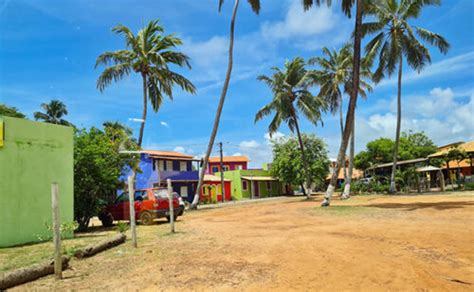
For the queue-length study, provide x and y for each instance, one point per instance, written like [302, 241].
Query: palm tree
[149, 53]
[54, 111]
[255, 4]
[346, 6]
[396, 39]
[291, 96]
[334, 77]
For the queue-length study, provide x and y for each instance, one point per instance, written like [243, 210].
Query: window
[238, 167]
[169, 165]
[184, 191]
[215, 169]
[163, 193]
[225, 168]
[141, 195]
[183, 166]
[161, 165]
[244, 185]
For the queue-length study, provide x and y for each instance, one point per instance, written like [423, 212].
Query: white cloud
[443, 114]
[249, 144]
[237, 154]
[206, 53]
[460, 63]
[298, 23]
[164, 124]
[179, 149]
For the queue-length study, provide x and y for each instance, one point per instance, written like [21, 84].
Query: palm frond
[434, 39]
[113, 73]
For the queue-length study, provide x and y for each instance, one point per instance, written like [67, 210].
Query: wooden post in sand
[170, 200]
[58, 269]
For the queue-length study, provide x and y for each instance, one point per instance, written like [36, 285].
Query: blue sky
[48, 50]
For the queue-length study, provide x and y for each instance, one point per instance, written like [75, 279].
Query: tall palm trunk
[450, 181]
[399, 122]
[219, 108]
[145, 104]
[305, 162]
[341, 121]
[347, 185]
[352, 105]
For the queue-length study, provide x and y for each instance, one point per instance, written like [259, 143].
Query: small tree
[458, 155]
[54, 111]
[97, 168]
[288, 165]
[10, 111]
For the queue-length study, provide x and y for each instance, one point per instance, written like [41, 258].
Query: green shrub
[122, 227]
[469, 186]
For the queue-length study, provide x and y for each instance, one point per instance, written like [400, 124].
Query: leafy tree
[377, 151]
[291, 97]
[415, 145]
[97, 168]
[395, 41]
[149, 54]
[346, 5]
[255, 5]
[54, 111]
[412, 145]
[288, 165]
[10, 111]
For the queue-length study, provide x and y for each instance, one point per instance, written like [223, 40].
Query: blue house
[157, 166]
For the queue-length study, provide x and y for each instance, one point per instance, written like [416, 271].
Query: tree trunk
[101, 246]
[347, 185]
[399, 124]
[145, 104]
[30, 273]
[352, 105]
[305, 162]
[341, 121]
[450, 181]
[219, 108]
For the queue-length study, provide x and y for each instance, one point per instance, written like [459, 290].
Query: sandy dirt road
[369, 243]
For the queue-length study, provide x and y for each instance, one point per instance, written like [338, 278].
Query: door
[183, 191]
[256, 189]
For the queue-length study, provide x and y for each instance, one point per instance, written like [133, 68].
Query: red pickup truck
[149, 204]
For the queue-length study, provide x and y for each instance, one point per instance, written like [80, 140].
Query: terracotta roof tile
[229, 159]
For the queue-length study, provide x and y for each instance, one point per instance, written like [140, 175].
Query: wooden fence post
[131, 199]
[58, 269]
[170, 200]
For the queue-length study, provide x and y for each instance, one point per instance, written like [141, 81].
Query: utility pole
[58, 265]
[131, 200]
[222, 173]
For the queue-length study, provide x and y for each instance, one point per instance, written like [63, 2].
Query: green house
[32, 156]
[253, 184]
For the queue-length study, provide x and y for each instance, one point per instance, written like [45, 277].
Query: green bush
[469, 186]
[122, 227]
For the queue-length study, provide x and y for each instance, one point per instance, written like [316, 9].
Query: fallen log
[27, 274]
[101, 246]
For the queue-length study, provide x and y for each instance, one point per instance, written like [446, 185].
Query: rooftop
[229, 159]
[167, 154]
[399, 163]
[468, 147]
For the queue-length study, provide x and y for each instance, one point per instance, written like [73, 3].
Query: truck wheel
[107, 219]
[146, 218]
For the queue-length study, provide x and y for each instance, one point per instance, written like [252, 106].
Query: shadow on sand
[420, 205]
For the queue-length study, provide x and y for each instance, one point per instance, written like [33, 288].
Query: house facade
[230, 163]
[253, 184]
[156, 166]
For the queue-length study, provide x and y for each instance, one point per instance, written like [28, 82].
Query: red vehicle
[149, 204]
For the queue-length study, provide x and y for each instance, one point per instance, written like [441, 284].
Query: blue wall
[149, 176]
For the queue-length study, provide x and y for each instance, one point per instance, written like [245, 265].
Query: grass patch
[21, 256]
[345, 210]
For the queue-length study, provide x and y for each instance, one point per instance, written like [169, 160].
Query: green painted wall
[33, 156]
[239, 193]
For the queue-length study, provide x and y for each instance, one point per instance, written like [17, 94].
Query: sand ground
[369, 243]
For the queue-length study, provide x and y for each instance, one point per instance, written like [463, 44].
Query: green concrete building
[253, 184]
[32, 156]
